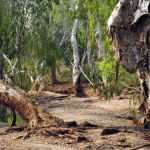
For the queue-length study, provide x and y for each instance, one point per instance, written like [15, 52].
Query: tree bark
[129, 29]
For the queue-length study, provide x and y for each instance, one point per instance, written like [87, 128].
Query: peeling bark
[129, 27]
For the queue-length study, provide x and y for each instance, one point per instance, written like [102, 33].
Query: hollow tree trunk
[76, 70]
[29, 109]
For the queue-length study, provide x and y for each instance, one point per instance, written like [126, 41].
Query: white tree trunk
[76, 70]
[78, 91]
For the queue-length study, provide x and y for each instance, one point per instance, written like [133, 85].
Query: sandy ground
[116, 114]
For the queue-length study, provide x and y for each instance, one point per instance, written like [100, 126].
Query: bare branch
[15, 64]
[86, 76]
[8, 60]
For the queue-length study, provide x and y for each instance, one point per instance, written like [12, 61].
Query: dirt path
[110, 116]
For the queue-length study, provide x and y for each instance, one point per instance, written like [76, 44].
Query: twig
[86, 76]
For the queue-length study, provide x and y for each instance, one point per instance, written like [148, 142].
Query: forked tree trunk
[29, 109]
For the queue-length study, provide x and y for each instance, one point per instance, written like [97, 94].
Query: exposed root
[65, 130]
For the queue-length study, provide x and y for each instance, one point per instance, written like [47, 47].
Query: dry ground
[115, 119]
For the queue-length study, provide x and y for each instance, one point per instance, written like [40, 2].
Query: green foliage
[107, 71]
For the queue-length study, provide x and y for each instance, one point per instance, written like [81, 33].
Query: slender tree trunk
[76, 70]
[53, 73]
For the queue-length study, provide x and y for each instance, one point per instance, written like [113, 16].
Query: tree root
[68, 130]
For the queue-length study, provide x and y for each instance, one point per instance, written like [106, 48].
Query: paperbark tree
[129, 27]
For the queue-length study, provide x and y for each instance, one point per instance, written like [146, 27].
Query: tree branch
[7, 59]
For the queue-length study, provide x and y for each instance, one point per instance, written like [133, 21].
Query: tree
[77, 69]
[131, 44]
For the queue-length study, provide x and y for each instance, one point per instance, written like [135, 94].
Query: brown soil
[108, 124]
